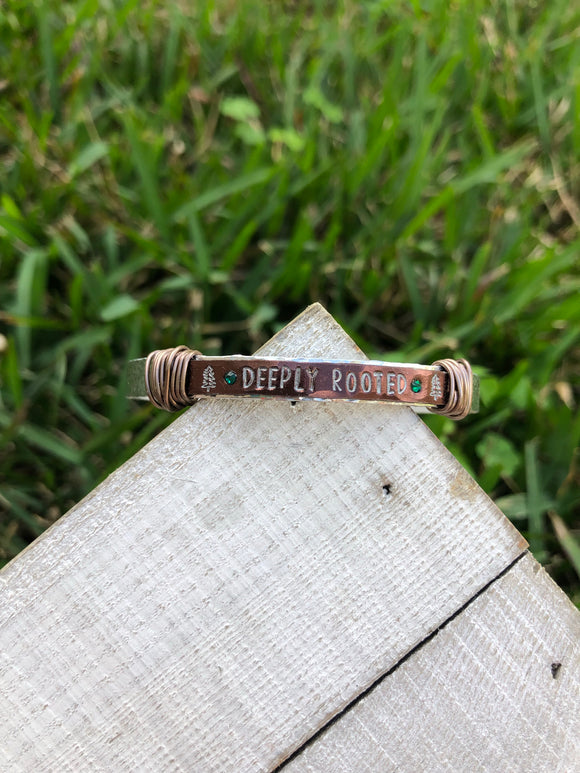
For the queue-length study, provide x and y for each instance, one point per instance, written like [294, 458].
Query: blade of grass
[540, 103]
[237, 185]
[534, 501]
[11, 374]
[485, 173]
[88, 156]
[569, 543]
[21, 513]
[170, 54]
[29, 298]
[410, 280]
[47, 49]
[202, 251]
[143, 159]
[50, 444]
[18, 230]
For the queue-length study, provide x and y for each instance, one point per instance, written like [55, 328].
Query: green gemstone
[230, 377]
[416, 385]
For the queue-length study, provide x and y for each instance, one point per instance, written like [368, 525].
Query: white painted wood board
[480, 695]
[238, 582]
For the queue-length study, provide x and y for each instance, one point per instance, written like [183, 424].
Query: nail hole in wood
[555, 667]
[387, 489]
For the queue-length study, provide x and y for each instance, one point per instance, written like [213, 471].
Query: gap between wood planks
[405, 657]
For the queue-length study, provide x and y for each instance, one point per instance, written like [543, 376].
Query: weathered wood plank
[238, 581]
[484, 694]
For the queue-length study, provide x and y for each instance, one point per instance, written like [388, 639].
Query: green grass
[199, 172]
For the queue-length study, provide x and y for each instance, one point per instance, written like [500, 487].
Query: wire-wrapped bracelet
[174, 378]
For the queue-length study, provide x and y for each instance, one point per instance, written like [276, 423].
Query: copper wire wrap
[458, 404]
[166, 377]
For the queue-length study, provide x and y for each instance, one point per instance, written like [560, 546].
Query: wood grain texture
[479, 696]
[237, 582]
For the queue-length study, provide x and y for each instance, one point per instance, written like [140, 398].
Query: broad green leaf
[497, 451]
[250, 134]
[313, 96]
[239, 108]
[288, 137]
[119, 307]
